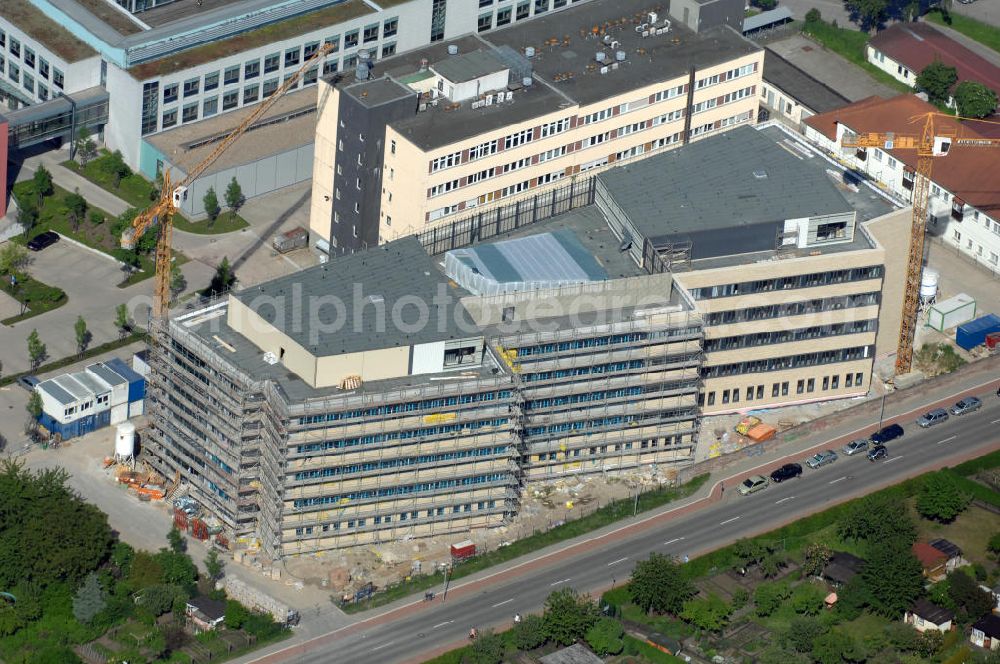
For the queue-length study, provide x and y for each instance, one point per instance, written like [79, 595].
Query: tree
[767, 597]
[214, 565]
[993, 546]
[802, 631]
[34, 409]
[122, 320]
[222, 280]
[940, 498]
[76, 208]
[211, 203]
[815, 558]
[568, 615]
[83, 335]
[660, 584]
[878, 518]
[867, 14]
[928, 643]
[710, 614]
[488, 648]
[831, 647]
[234, 196]
[529, 633]
[176, 540]
[605, 637]
[177, 281]
[894, 577]
[852, 598]
[36, 349]
[772, 564]
[27, 215]
[808, 599]
[89, 600]
[85, 146]
[42, 183]
[969, 599]
[813, 16]
[117, 168]
[178, 569]
[936, 80]
[157, 599]
[236, 614]
[13, 258]
[748, 552]
[975, 100]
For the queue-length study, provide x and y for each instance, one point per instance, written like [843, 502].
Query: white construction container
[119, 413]
[952, 312]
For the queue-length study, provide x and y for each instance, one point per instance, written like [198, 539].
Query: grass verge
[36, 297]
[984, 33]
[140, 193]
[87, 354]
[610, 513]
[850, 44]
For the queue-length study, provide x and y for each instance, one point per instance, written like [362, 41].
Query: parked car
[28, 382]
[885, 434]
[932, 417]
[966, 405]
[42, 240]
[855, 446]
[821, 459]
[878, 452]
[786, 472]
[752, 485]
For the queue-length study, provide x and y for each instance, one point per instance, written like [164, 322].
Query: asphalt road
[428, 628]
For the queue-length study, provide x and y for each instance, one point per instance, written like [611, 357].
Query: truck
[256, 600]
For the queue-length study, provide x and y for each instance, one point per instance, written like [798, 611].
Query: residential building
[925, 615]
[986, 632]
[205, 613]
[903, 50]
[931, 560]
[965, 183]
[416, 141]
[842, 567]
[415, 388]
[164, 64]
[953, 553]
[791, 95]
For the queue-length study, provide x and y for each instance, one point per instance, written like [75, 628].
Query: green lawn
[36, 296]
[53, 216]
[970, 531]
[850, 44]
[139, 192]
[983, 33]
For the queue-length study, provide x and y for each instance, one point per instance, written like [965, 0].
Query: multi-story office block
[420, 139]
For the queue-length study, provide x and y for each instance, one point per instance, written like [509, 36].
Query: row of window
[789, 336]
[413, 515]
[406, 407]
[619, 421]
[523, 11]
[792, 308]
[787, 283]
[29, 60]
[385, 492]
[425, 432]
[399, 462]
[667, 441]
[788, 362]
[802, 386]
[714, 79]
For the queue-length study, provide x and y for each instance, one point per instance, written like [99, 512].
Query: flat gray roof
[468, 66]
[56, 392]
[107, 375]
[764, 19]
[735, 179]
[379, 91]
[808, 91]
[387, 278]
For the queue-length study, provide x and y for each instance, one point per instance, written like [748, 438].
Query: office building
[421, 139]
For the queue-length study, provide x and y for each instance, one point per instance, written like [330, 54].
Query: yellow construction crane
[930, 143]
[171, 197]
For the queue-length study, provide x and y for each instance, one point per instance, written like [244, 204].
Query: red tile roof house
[933, 561]
[904, 49]
[964, 205]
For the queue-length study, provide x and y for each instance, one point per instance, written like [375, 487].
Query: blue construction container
[136, 383]
[972, 334]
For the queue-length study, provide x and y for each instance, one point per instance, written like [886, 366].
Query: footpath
[980, 378]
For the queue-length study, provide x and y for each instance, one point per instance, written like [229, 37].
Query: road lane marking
[946, 440]
[676, 539]
[558, 582]
[615, 562]
[895, 458]
[729, 521]
[994, 421]
[839, 479]
[448, 622]
[506, 601]
[384, 645]
[778, 502]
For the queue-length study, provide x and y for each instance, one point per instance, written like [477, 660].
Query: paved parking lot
[987, 11]
[829, 68]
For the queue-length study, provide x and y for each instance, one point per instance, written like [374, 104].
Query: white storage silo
[125, 442]
[929, 285]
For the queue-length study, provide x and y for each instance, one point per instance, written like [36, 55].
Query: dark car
[884, 435]
[786, 472]
[878, 452]
[28, 382]
[42, 240]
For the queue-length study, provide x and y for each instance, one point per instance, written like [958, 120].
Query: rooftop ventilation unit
[526, 81]
[601, 56]
[529, 51]
[760, 174]
[452, 49]
[620, 56]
